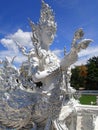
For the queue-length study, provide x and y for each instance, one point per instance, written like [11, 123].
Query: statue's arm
[69, 59]
[72, 57]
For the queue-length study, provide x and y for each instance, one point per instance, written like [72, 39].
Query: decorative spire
[47, 16]
[32, 24]
[46, 25]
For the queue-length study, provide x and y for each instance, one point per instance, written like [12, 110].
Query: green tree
[78, 77]
[83, 71]
[86, 76]
[92, 76]
[75, 78]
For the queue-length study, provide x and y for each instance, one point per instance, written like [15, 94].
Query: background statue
[49, 103]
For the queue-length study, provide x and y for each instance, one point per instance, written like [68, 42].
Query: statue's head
[45, 30]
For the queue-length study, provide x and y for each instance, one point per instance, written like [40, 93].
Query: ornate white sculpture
[42, 98]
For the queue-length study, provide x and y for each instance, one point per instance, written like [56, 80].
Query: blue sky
[69, 14]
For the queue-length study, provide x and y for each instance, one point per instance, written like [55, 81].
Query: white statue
[50, 101]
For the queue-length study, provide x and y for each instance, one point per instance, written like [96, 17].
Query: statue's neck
[45, 47]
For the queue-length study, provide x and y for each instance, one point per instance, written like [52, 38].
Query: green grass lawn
[87, 99]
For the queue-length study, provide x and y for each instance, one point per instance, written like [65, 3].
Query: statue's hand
[78, 34]
[73, 55]
[83, 44]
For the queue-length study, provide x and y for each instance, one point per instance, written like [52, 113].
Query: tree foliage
[86, 76]
[92, 77]
[75, 78]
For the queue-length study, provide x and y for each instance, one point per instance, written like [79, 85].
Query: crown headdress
[47, 16]
[46, 20]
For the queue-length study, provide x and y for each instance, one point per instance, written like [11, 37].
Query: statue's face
[47, 35]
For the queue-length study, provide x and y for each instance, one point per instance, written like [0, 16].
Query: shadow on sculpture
[38, 95]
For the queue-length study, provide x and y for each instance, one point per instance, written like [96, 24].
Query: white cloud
[85, 55]
[90, 51]
[24, 38]
[58, 52]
